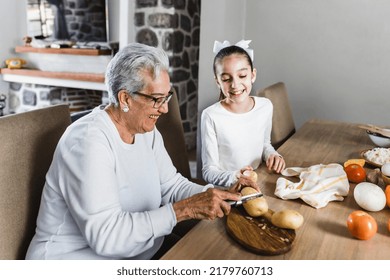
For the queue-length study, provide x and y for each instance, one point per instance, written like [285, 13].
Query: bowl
[378, 140]
[386, 179]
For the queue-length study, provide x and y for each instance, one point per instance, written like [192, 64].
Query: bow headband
[244, 44]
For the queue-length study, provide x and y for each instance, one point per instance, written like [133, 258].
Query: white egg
[386, 169]
[369, 196]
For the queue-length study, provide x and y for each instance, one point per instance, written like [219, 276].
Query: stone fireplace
[24, 97]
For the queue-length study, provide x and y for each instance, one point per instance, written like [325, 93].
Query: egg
[386, 169]
[369, 196]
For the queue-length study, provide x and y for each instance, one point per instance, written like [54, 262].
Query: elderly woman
[112, 191]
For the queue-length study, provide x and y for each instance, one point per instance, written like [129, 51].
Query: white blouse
[105, 199]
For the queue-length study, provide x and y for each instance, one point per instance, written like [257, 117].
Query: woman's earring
[125, 108]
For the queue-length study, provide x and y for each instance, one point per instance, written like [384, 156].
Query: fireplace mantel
[54, 67]
[69, 51]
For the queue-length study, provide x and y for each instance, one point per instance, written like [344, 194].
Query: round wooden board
[258, 234]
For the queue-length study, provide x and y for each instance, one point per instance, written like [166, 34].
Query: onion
[369, 196]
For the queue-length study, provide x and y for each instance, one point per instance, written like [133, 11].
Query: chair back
[171, 128]
[199, 162]
[282, 120]
[27, 144]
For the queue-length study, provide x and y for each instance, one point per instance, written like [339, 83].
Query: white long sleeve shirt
[231, 141]
[105, 199]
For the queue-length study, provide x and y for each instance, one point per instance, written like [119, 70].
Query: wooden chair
[27, 144]
[283, 126]
[171, 128]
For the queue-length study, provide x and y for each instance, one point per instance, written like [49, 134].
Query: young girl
[236, 131]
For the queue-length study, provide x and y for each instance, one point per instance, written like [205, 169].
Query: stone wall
[174, 25]
[86, 20]
[77, 20]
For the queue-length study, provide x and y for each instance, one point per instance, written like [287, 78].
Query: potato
[268, 214]
[251, 174]
[289, 219]
[254, 207]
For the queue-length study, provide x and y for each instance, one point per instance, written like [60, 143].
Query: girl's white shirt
[231, 141]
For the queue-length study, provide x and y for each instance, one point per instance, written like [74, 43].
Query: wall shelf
[92, 81]
[69, 51]
[58, 77]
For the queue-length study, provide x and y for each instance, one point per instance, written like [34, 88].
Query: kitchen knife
[244, 199]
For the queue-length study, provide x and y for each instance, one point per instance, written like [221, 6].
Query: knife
[244, 199]
[375, 129]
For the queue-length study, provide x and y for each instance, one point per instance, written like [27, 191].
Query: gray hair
[124, 71]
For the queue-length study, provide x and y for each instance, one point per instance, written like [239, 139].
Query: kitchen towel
[319, 184]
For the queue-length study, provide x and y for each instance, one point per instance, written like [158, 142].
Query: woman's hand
[212, 203]
[205, 205]
[275, 163]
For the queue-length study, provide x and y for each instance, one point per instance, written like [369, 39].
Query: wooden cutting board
[258, 235]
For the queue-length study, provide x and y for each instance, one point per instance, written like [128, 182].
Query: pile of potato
[289, 219]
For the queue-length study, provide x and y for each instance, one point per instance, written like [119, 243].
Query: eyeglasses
[158, 101]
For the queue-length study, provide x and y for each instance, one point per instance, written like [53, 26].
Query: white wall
[220, 20]
[334, 56]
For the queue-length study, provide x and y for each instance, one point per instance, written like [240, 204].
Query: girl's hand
[243, 181]
[275, 163]
[242, 170]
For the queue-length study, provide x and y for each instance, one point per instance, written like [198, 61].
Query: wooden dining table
[324, 234]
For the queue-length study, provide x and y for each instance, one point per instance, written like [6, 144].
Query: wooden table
[324, 234]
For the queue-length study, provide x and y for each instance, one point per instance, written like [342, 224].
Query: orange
[387, 193]
[361, 225]
[355, 173]
[359, 161]
[388, 224]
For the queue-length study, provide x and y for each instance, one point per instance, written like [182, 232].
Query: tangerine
[388, 224]
[361, 225]
[387, 193]
[355, 173]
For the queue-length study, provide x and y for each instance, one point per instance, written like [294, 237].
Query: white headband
[242, 44]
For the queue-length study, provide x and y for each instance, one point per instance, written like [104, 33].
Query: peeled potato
[254, 207]
[251, 174]
[289, 219]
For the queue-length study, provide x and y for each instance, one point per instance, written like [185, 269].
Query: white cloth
[231, 141]
[105, 199]
[318, 185]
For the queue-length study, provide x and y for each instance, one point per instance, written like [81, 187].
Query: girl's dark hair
[226, 52]
[229, 51]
